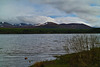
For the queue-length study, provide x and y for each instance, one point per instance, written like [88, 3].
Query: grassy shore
[87, 53]
[90, 58]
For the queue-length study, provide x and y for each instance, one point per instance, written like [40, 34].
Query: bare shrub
[81, 42]
[88, 50]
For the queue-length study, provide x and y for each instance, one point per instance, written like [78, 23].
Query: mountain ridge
[46, 25]
[68, 26]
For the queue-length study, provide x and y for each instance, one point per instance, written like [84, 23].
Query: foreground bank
[90, 58]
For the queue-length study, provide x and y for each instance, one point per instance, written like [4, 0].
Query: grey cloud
[81, 8]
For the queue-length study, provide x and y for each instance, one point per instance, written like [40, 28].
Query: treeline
[46, 30]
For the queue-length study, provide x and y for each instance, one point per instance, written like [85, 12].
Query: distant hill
[19, 25]
[5, 24]
[75, 26]
[68, 26]
[45, 25]
[46, 28]
[48, 25]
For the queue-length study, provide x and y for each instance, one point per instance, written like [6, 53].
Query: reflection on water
[36, 47]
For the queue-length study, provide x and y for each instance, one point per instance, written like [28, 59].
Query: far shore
[48, 31]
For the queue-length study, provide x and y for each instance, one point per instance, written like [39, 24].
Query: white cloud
[36, 19]
[9, 11]
[71, 20]
[44, 19]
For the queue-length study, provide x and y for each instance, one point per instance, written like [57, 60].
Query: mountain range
[45, 25]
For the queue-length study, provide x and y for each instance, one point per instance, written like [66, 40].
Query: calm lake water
[37, 47]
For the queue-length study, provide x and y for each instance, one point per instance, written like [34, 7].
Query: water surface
[15, 47]
[37, 47]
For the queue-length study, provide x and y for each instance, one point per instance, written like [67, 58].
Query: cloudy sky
[58, 11]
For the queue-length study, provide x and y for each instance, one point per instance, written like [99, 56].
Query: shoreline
[48, 31]
[80, 59]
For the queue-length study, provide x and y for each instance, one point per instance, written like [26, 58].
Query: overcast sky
[58, 11]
